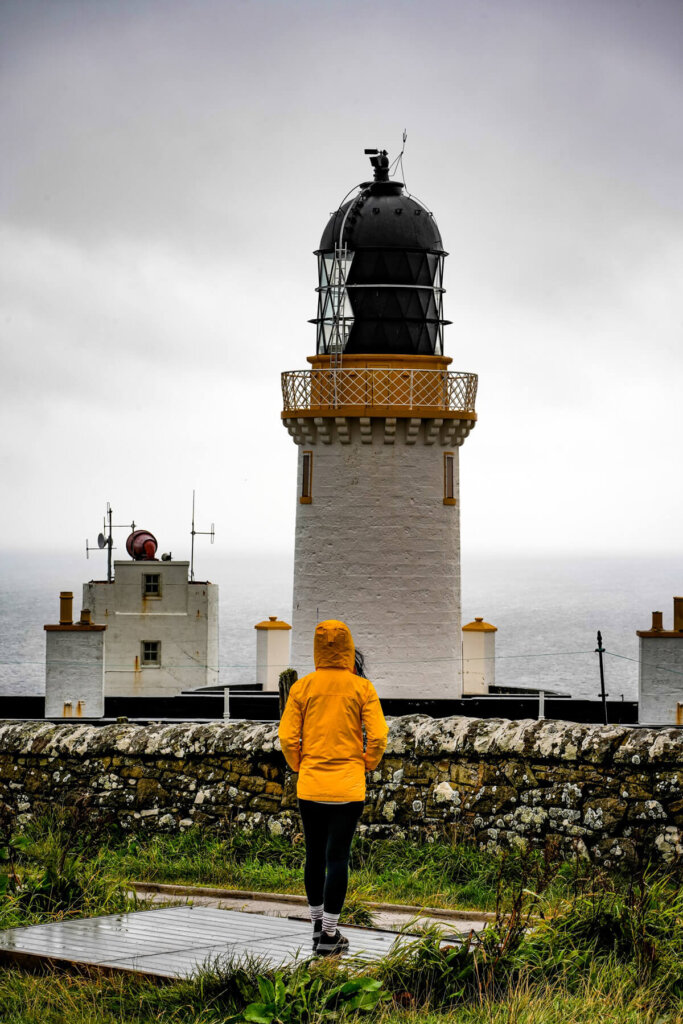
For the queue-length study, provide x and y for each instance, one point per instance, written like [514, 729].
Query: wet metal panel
[176, 942]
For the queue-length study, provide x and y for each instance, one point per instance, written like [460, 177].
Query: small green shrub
[49, 873]
[302, 998]
[356, 912]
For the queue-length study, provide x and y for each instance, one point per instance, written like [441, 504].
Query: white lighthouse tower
[378, 419]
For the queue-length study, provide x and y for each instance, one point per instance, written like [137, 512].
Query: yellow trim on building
[671, 634]
[405, 412]
[406, 362]
[75, 627]
[272, 623]
[479, 626]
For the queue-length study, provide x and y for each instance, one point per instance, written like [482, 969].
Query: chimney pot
[678, 614]
[657, 621]
[66, 602]
[86, 617]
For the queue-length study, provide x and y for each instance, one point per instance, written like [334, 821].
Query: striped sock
[316, 914]
[330, 923]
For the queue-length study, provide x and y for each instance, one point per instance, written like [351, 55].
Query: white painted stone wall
[660, 679]
[184, 619]
[378, 549]
[74, 673]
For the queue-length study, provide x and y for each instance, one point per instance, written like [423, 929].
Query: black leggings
[328, 829]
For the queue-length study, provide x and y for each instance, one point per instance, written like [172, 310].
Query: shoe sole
[332, 950]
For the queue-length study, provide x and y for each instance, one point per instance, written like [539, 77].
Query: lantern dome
[380, 266]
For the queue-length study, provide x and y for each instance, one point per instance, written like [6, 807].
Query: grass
[606, 996]
[604, 947]
[447, 874]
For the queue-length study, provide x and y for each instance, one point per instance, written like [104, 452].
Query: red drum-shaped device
[141, 545]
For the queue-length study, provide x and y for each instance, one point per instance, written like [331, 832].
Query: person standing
[321, 735]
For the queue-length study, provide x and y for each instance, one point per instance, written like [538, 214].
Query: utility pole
[600, 650]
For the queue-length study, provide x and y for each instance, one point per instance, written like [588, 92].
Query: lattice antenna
[106, 538]
[194, 533]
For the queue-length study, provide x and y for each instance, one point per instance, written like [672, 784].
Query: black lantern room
[380, 266]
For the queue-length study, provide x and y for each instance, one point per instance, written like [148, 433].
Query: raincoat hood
[333, 645]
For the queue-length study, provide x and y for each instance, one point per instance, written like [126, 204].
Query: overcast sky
[168, 168]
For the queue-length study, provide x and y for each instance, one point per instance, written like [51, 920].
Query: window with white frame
[151, 584]
[151, 652]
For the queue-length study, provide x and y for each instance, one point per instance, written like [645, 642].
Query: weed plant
[51, 871]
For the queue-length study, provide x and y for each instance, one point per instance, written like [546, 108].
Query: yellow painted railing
[378, 387]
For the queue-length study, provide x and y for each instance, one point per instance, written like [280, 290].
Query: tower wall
[378, 548]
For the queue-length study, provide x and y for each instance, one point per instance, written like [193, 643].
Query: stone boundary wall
[601, 790]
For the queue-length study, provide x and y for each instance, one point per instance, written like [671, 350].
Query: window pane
[151, 584]
[306, 474]
[151, 652]
[449, 490]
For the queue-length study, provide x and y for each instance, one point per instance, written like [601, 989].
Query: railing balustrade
[378, 387]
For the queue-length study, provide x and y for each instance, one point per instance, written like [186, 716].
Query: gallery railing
[378, 387]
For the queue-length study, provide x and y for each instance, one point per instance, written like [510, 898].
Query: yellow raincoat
[321, 728]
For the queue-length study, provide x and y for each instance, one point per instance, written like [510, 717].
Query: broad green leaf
[364, 1001]
[259, 1013]
[266, 990]
[351, 987]
[369, 984]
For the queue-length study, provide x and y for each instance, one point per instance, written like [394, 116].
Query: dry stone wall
[601, 790]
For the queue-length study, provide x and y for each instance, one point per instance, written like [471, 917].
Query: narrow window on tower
[449, 478]
[306, 478]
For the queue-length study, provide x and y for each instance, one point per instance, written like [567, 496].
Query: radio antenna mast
[106, 538]
[194, 533]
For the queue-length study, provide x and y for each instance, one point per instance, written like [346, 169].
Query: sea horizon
[547, 609]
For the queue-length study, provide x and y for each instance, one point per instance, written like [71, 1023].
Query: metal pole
[192, 531]
[110, 544]
[599, 650]
[541, 705]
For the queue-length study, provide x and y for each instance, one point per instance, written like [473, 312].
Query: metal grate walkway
[175, 942]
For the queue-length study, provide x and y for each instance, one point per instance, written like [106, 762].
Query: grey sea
[547, 610]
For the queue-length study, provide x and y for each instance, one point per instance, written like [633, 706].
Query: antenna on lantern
[193, 533]
[106, 538]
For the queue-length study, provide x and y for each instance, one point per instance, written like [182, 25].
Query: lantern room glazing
[380, 274]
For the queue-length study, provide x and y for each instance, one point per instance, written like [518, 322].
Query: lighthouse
[378, 419]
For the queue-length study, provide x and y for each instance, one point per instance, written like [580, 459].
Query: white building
[74, 664]
[660, 670]
[162, 628]
[378, 420]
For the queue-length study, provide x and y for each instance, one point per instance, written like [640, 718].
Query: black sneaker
[332, 945]
[317, 932]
